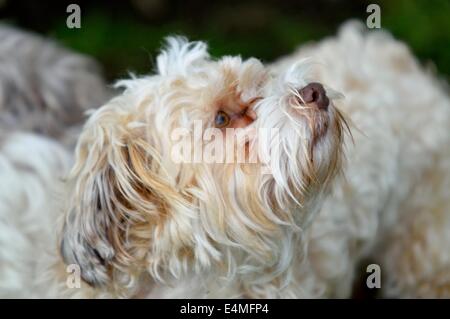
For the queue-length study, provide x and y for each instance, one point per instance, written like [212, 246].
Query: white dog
[44, 90]
[139, 224]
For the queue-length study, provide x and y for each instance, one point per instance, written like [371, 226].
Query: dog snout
[314, 94]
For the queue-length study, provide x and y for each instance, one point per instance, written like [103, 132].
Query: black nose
[315, 94]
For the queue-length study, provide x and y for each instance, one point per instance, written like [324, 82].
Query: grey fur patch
[45, 88]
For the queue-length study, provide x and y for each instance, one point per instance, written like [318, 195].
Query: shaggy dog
[294, 222]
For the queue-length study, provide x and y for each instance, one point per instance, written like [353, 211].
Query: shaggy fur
[45, 88]
[141, 225]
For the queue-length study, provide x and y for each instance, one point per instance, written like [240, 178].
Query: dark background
[125, 35]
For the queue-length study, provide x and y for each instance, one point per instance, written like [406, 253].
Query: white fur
[31, 171]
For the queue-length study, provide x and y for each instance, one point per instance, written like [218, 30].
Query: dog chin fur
[140, 225]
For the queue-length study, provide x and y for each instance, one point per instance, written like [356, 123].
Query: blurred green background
[125, 35]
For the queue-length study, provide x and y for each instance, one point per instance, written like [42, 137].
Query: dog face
[137, 208]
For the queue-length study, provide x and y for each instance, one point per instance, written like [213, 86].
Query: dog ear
[115, 196]
[180, 57]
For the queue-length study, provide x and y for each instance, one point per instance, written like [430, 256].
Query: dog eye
[222, 119]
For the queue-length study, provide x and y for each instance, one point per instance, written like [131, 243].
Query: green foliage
[424, 25]
[123, 42]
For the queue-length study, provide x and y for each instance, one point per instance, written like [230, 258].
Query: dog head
[144, 200]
